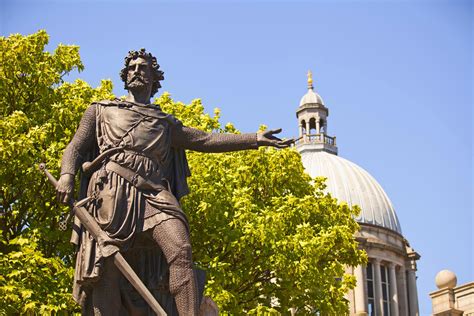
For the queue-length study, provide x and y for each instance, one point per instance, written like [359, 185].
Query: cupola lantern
[312, 119]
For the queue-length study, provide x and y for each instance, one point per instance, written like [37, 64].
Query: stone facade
[387, 284]
[452, 300]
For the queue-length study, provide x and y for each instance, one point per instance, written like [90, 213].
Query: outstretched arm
[194, 139]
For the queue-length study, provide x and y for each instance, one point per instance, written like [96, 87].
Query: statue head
[152, 74]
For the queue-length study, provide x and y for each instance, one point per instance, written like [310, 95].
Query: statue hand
[266, 138]
[65, 188]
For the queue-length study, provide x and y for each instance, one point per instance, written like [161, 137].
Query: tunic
[152, 145]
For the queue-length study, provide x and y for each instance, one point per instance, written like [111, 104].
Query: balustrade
[316, 138]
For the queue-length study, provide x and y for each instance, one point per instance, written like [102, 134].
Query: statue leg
[106, 292]
[173, 238]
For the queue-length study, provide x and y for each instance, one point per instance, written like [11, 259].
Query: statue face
[139, 74]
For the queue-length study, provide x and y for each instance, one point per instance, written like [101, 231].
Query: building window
[370, 289]
[385, 281]
[385, 290]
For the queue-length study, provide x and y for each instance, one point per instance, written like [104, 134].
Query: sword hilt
[62, 223]
[91, 166]
[51, 178]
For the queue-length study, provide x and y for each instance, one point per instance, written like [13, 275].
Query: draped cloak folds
[152, 145]
[121, 209]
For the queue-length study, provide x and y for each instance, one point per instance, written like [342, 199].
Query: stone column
[301, 129]
[307, 127]
[413, 256]
[378, 287]
[413, 293]
[393, 291]
[402, 291]
[317, 125]
[360, 293]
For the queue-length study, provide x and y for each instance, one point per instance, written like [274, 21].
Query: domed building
[387, 285]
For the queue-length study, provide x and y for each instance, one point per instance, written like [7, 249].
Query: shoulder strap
[115, 102]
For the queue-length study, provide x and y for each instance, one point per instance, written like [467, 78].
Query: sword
[94, 229]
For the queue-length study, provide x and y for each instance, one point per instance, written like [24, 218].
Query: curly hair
[155, 68]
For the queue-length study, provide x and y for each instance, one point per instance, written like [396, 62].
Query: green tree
[266, 234]
[264, 231]
[39, 114]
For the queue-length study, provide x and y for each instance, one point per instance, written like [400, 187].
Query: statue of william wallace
[136, 179]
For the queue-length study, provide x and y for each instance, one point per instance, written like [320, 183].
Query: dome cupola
[346, 181]
[386, 285]
[349, 183]
[312, 118]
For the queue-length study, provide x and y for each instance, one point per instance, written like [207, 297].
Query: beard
[137, 83]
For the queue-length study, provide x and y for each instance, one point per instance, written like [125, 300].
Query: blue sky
[396, 76]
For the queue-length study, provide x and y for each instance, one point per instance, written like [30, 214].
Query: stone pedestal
[208, 307]
[443, 302]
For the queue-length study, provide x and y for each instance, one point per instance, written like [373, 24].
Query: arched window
[322, 126]
[312, 126]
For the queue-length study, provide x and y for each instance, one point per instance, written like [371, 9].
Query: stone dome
[311, 97]
[348, 182]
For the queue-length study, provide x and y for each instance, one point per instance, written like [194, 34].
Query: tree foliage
[266, 234]
[40, 113]
[31, 283]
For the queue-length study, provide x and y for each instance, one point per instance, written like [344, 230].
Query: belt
[133, 177]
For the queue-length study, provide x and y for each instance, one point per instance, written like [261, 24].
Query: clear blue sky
[396, 76]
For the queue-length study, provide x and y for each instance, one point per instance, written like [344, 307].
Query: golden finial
[310, 79]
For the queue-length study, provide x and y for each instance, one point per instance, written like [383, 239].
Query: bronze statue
[136, 178]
